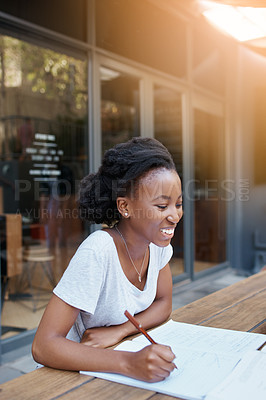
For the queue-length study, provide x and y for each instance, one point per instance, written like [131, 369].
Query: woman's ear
[123, 206]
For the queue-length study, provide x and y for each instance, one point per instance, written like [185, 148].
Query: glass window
[168, 130]
[119, 107]
[210, 191]
[209, 58]
[142, 32]
[64, 16]
[43, 156]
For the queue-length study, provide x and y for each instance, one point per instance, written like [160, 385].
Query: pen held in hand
[139, 328]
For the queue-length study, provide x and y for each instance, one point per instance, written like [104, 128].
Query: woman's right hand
[151, 364]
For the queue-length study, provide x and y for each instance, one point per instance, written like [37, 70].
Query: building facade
[79, 77]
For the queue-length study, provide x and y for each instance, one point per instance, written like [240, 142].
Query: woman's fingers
[165, 365]
[153, 363]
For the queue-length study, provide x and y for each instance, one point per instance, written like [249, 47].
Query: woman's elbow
[34, 351]
[167, 309]
[38, 352]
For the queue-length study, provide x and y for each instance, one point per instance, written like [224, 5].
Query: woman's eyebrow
[163, 197]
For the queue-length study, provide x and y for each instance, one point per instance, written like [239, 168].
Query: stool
[32, 258]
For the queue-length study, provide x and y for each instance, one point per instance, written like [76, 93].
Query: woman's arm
[157, 313]
[51, 348]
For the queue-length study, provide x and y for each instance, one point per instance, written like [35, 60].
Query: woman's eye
[161, 207]
[178, 205]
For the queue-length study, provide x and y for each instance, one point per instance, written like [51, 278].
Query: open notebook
[204, 357]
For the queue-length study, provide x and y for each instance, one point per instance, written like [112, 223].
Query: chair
[34, 257]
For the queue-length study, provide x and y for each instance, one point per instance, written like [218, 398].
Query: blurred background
[77, 77]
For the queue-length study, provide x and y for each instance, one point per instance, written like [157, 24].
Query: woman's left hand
[102, 336]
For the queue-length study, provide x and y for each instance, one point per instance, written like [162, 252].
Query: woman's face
[156, 207]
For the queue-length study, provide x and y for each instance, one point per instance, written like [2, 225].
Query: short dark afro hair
[121, 169]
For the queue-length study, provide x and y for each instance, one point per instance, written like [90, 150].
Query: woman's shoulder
[97, 240]
[161, 255]
[98, 248]
[160, 250]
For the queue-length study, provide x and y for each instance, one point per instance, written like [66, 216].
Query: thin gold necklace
[125, 243]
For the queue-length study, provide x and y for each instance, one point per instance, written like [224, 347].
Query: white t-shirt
[94, 282]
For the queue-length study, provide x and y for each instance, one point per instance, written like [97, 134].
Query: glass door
[168, 130]
[43, 156]
[209, 191]
[119, 107]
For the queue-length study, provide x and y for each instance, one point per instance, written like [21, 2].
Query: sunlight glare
[243, 23]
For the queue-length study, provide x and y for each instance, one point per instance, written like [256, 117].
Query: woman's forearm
[156, 314]
[152, 364]
[61, 353]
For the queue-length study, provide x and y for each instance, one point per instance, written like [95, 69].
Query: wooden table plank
[260, 328]
[241, 316]
[42, 384]
[101, 389]
[217, 302]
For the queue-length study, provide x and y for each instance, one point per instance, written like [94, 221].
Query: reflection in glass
[119, 107]
[209, 55]
[43, 155]
[168, 130]
[142, 32]
[210, 191]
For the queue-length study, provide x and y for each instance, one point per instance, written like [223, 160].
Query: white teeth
[168, 231]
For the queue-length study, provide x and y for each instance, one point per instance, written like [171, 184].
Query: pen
[139, 328]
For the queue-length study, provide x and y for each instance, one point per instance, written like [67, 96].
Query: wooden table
[241, 306]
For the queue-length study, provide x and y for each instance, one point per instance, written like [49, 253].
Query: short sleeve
[161, 255]
[81, 283]
[166, 255]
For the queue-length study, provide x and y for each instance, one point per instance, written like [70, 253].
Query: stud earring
[126, 214]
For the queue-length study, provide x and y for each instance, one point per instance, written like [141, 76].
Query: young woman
[124, 266]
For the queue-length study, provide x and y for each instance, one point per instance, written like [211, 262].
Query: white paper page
[264, 349]
[246, 382]
[204, 357]
[204, 338]
[198, 372]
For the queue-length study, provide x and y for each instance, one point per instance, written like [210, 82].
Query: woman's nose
[175, 215]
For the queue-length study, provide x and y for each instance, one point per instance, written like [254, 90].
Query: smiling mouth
[168, 231]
